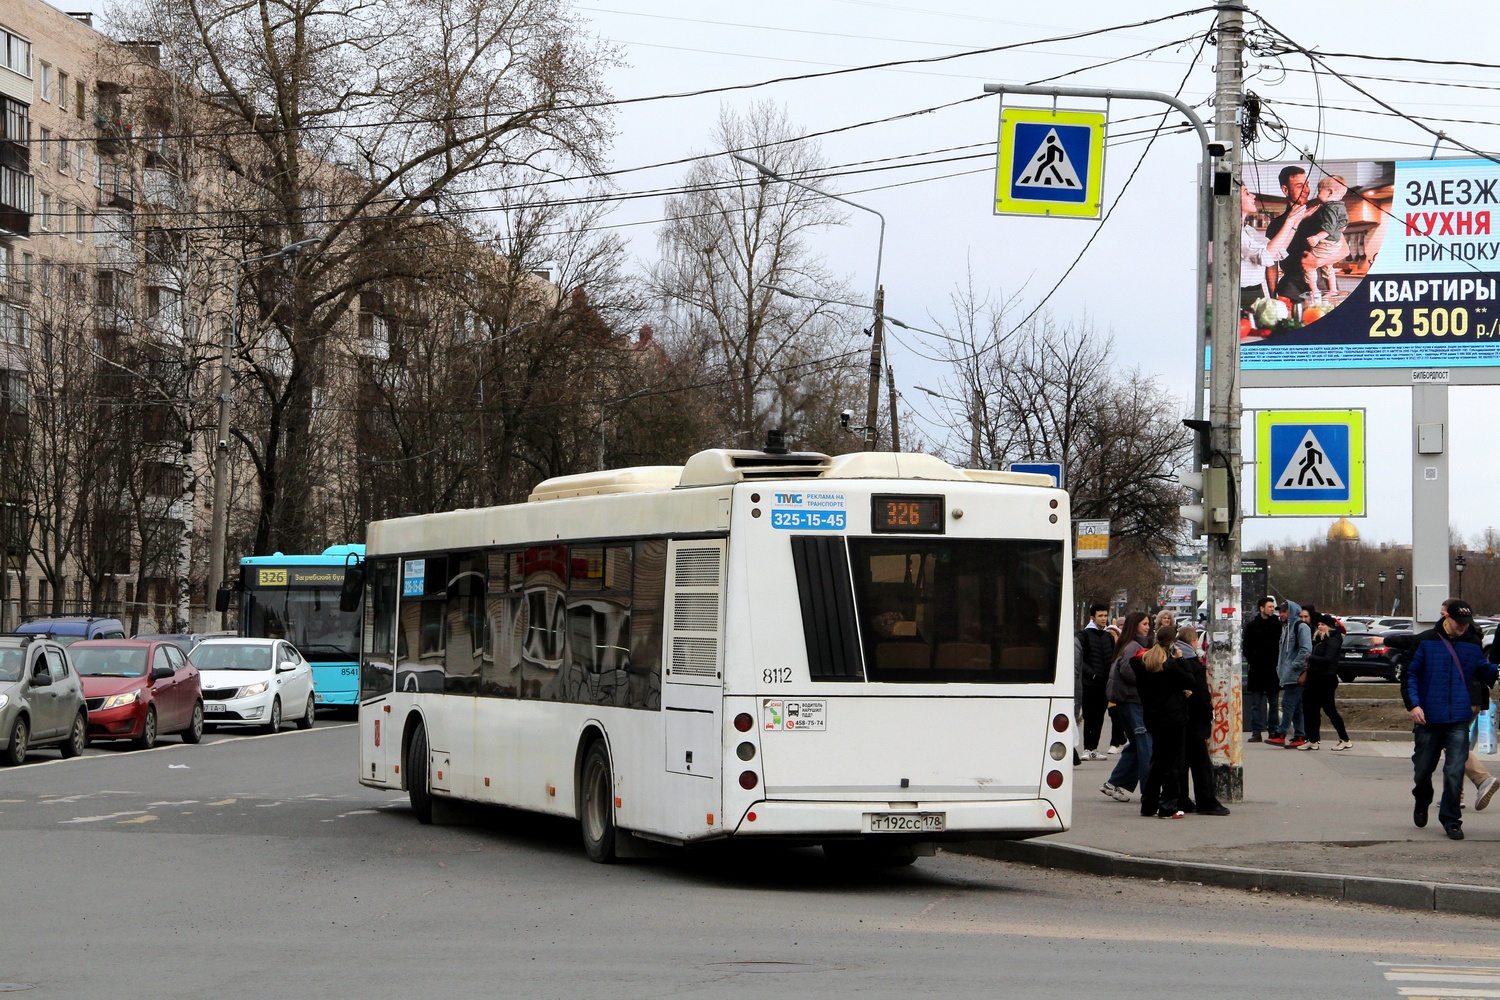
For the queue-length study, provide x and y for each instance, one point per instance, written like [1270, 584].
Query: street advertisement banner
[1370, 264]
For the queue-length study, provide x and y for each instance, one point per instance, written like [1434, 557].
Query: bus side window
[376, 665]
[465, 625]
[647, 613]
[505, 613]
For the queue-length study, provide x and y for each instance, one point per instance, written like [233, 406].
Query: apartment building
[77, 287]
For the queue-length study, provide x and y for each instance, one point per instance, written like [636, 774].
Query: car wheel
[306, 722]
[273, 725]
[147, 739]
[194, 732]
[596, 805]
[15, 747]
[78, 738]
[416, 776]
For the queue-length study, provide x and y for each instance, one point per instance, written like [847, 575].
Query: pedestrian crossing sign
[1051, 163]
[1310, 463]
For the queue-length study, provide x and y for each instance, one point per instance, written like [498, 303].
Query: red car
[139, 690]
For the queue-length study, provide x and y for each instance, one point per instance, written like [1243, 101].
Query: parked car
[255, 682]
[41, 699]
[1366, 654]
[139, 690]
[66, 631]
[1392, 624]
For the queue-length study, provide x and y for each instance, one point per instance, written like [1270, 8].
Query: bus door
[693, 687]
[379, 725]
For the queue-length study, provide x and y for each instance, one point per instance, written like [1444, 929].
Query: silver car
[41, 699]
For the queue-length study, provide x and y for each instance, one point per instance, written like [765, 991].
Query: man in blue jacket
[1437, 688]
[1291, 660]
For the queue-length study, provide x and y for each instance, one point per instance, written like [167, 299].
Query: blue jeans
[1263, 711]
[1135, 760]
[1291, 712]
[1452, 740]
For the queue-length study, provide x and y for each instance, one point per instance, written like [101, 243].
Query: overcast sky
[1136, 282]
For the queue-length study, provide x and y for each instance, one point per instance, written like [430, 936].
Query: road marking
[223, 802]
[101, 819]
[267, 805]
[1444, 981]
[127, 755]
[184, 802]
[140, 819]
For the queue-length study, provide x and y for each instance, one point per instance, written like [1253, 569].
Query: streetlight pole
[1348, 594]
[1360, 583]
[220, 520]
[877, 329]
[1381, 580]
[1400, 586]
[1460, 564]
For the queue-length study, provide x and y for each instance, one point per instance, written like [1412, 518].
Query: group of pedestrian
[1292, 653]
[1154, 684]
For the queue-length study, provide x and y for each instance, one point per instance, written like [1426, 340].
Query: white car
[254, 682]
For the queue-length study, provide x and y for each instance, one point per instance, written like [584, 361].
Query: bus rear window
[982, 611]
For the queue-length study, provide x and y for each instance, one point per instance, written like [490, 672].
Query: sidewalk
[1343, 814]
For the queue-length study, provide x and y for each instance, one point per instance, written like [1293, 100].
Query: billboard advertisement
[1370, 264]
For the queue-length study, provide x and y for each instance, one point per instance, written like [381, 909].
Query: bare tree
[367, 130]
[779, 362]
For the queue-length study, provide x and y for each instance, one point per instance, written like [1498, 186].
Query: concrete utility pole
[872, 404]
[1224, 619]
[890, 384]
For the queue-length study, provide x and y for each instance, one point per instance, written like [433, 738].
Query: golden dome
[1343, 530]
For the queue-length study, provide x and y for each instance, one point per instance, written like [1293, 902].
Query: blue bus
[297, 598]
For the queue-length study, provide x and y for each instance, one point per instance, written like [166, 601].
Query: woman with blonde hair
[1164, 685]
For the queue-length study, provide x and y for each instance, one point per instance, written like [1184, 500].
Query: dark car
[1367, 654]
[139, 690]
[66, 631]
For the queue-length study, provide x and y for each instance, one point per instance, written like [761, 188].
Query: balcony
[114, 134]
[160, 189]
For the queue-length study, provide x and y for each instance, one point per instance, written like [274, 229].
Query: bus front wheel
[596, 805]
[416, 776]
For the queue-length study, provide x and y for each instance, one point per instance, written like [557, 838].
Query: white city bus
[863, 651]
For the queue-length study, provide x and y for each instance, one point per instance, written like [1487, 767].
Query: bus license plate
[213, 706]
[907, 822]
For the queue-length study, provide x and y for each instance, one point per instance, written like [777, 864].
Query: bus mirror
[221, 599]
[354, 588]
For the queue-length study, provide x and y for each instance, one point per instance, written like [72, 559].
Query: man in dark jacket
[1093, 652]
[1437, 686]
[1261, 643]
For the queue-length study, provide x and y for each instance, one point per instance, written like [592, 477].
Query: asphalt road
[256, 867]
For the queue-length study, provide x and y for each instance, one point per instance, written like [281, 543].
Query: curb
[1405, 894]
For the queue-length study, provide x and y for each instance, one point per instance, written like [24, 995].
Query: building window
[78, 224]
[62, 217]
[98, 172]
[46, 212]
[47, 82]
[162, 479]
[17, 123]
[82, 156]
[62, 90]
[62, 155]
[79, 93]
[15, 53]
[45, 140]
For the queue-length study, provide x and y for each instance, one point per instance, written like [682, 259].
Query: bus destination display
[906, 514]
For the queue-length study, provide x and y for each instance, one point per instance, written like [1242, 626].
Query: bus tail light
[745, 751]
[1054, 779]
[1059, 722]
[1057, 751]
[743, 722]
[748, 780]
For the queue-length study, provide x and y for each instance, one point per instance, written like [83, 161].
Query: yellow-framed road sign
[1310, 463]
[1050, 163]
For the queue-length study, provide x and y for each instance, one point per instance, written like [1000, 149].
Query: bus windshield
[308, 617]
[968, 610]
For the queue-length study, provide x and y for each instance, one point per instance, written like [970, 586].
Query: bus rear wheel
[416, 776]
[596, 805]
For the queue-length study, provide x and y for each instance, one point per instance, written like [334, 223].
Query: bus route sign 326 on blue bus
[809, 511]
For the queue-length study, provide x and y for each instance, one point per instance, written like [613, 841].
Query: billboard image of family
[1369, 264]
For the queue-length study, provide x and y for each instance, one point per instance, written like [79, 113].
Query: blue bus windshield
[308, 617]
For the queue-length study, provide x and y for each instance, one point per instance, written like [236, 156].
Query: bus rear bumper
[1013, 819]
